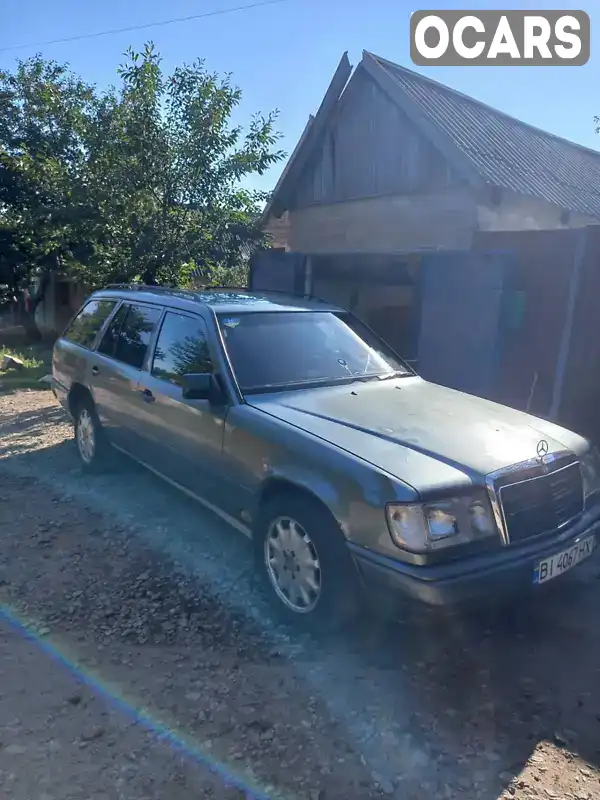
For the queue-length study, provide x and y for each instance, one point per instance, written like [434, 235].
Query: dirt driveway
[137, 660]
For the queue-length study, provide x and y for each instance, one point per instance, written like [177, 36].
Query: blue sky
[283, 56]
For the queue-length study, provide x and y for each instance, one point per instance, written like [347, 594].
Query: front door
[183, 439]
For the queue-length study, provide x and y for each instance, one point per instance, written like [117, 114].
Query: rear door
[117, 365]
[72, 352]
[183, 439]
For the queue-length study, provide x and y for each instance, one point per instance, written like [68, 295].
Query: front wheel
[304, 564]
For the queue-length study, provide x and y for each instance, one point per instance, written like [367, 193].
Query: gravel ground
[175, 683]
[60, 741]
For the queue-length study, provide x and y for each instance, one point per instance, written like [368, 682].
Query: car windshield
[290, 349]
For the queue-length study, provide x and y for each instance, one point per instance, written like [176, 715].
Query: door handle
[95, 370]
[147, 395]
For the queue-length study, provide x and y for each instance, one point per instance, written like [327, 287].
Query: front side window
[289, 349]
[181, 348]
[135, 334]
[87, 323]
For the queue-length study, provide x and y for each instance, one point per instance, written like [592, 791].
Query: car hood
[426, 435]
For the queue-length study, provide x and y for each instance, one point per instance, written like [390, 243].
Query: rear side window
[108, 343]
[135, 334]
[181, 348]
[88, 322]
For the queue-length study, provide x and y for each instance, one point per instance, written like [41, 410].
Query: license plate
[562, 562]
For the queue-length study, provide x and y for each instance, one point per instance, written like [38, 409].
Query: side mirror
[201, 386]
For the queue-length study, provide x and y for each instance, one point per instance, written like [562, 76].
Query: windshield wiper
[328, 381]
[398, 373]
[365, 378]
[378, 377]
[304, 383]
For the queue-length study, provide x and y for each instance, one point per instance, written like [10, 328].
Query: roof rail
[153, 288]
[157, 287]
[140, 287]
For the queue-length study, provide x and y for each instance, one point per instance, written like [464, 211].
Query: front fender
[299, 477]
[354, 492]
[262, 452]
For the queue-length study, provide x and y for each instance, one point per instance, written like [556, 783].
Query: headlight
[590, 472]
[421, 527]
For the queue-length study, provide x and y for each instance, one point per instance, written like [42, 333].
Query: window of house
[87, 323]
[181, 348]
[135, 334]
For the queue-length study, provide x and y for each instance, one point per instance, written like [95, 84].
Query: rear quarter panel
[69, 366]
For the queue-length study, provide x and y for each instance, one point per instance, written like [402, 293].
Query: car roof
[228, 300]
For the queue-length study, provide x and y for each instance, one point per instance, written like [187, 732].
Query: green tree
[144, 181]
[167, 167]
[45, 113]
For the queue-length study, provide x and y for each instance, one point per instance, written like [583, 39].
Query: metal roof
[503, 150]
[483, 144]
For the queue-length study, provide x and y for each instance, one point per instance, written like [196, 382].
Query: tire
[90, 439]
[294, 532]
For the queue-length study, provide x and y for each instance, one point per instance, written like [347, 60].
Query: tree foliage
[143, 181]
[44, 117]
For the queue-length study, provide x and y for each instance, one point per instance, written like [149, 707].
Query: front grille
[542, 504]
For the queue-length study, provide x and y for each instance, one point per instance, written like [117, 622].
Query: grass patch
[37, 361]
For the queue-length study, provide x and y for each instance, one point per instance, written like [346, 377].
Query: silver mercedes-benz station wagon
[297, 424]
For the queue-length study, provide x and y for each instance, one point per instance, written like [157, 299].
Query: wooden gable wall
[370, 148]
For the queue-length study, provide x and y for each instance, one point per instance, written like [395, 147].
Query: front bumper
[494, 576]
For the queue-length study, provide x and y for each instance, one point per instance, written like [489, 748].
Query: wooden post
[308, 277]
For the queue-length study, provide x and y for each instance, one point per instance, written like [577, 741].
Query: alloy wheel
[293, 565]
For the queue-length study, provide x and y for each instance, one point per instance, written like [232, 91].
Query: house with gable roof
[451, 228]
[394, 162]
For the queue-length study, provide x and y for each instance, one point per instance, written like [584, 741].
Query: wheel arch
[339, 601]
[277, 485]
[77, 394]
